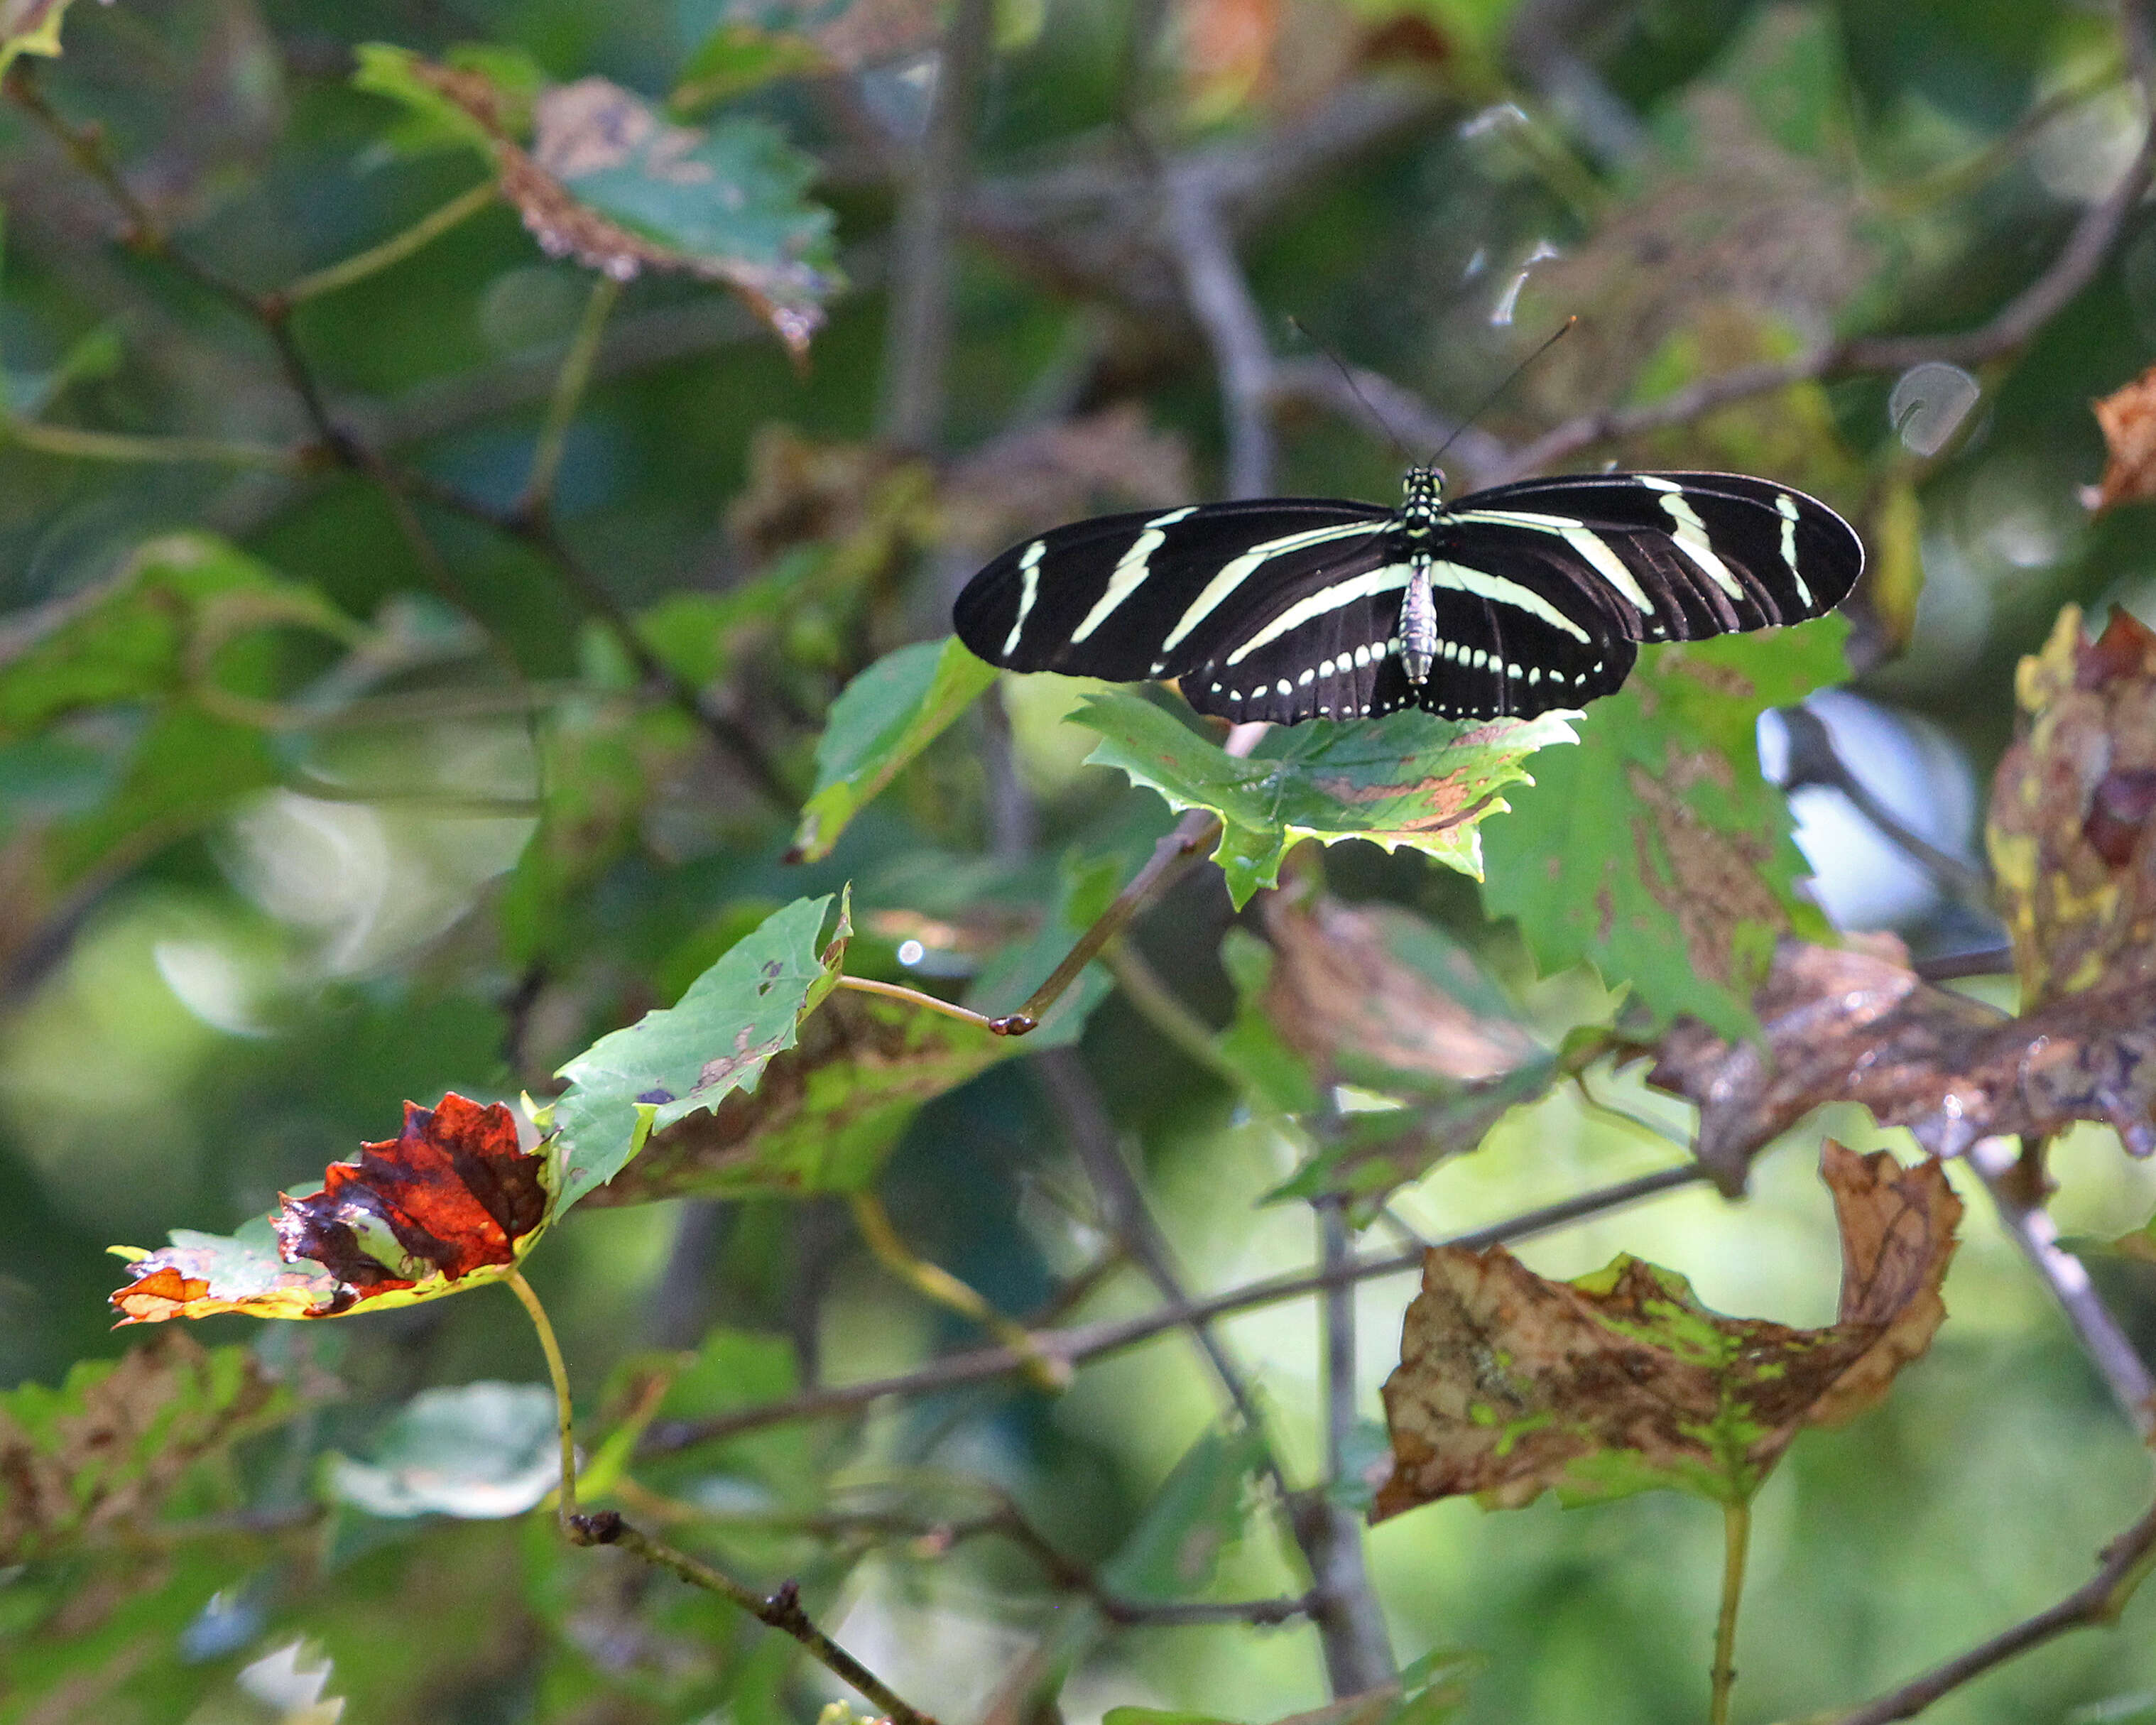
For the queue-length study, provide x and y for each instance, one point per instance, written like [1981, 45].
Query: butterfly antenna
[1354, 388]
[1511, 377]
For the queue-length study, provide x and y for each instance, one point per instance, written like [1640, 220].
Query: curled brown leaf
[2128, 416]
[1511, 1384]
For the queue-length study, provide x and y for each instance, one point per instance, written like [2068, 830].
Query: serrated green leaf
[881, 721]
[1655, 850]
[717, 1039]
[1406, 780]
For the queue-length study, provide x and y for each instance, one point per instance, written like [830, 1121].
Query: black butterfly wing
[1677, 555]
[1126, 597]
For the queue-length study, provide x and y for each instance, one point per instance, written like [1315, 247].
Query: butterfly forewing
[1290, 608]
[1126, 597]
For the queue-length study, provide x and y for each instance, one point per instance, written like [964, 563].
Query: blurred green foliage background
[243, 973]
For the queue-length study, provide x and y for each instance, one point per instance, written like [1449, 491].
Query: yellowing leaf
[1510, 1384]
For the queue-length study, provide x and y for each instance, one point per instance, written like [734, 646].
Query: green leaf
[717, 1039]
[1198, 1513]
[739, 57]
[477, 1451]
[1275, 1076]
[121, 1441]
[1408, 779]
[1655, 850]
[881, 721]
[500, 84]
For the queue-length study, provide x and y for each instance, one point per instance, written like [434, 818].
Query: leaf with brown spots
[1655, 851]
[106, 1452]
[1509, 1385]
[1408, 779]
[453, 1201]
[2128, 416]
[717, 1039]
[2072, 826]
[609, 182]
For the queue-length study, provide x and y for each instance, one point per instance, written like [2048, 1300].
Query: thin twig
[1081, 1343]
[1999, 1166]
[1159, 1006]
[1199, 241]
[926, 1003]
[1351, 1625]
[557, 1374]
[1735, 1545]
[781, 1610]
[2124, 1565]
[917, 339]
[72, 443]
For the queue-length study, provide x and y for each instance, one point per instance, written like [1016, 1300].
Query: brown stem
[2124, 1565]
[781, 1610]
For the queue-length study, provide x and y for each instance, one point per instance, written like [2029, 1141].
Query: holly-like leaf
[881, 721]
[2127, 418]
[1408, 779]
[609, 182]
[826, 1112]
[105, 1453]
[477, 1451]
[1510, 1384]
[2072, 826]
[691, 1057]
[1654, 849]
[453, 1202]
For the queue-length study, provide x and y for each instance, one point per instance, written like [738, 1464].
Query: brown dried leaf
[2129, 419]
[1851, 1026]
[2072, 837]
[1510, 1384]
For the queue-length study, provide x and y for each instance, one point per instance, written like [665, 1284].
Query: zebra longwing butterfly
[1515, 600]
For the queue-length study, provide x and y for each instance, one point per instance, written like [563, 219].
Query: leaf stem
[569, 386]
[934, 1283]
[1736, 1543]
[915, 997]
[72, 443]
[394, 249]
[564, 1411]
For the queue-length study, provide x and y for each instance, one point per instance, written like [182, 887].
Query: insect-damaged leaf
[826, 1111]
[716, 1040]
[1509, 1385]
[453, 1201]
[1408, 779]
[108, 1450]
[2072, 826]
[608, 182]
[1654, 849]
[881, 720]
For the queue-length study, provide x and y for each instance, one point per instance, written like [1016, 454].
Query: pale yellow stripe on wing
[1130, 571]
[1390, 579]
[1458, 578]
[1238, 569]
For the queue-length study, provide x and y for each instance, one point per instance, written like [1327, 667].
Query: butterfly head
[1424, 494]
